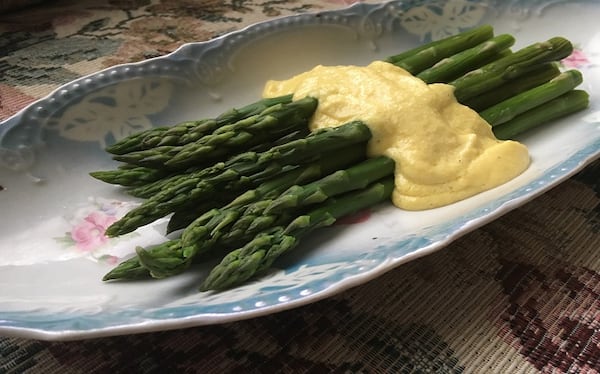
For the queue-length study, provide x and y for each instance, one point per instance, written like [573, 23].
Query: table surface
[521, 294]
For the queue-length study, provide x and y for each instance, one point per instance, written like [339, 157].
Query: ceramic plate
[53, 253]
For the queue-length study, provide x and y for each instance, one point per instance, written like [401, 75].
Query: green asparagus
[568, 103]
[421, 58]
[259, 254]
[146, 182]
[130, 175]
[244, 168]
[189, 131]
[506, 98]
[521, 103]
[355, 177]
[200, 234]
[512, 66]
[130, 269]
[267, 126]
[461, 63]
[540, 74]
[183, 217]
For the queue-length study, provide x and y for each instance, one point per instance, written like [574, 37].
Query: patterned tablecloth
[521, 294]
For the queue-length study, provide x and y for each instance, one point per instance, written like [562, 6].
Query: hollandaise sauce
[443, 151]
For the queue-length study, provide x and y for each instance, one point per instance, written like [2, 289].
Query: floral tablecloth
[521, 294]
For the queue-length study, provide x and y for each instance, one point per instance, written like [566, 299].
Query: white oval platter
[52, 251]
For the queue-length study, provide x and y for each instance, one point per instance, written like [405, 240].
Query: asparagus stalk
[145, 182]
[131, 143]
[355, 177]
[184, 216]
[130, 175]
[460, 63]
[244, 168]
[133, 268]
[267, 213]
[148, 190]
[259, 254]
[201, 232]
[512, 66]
[130, 269]
[190, 130]
[521, 103]
[539, 75]
[175, 137]
[568, 103]
[425, 56]
[228, 139]
[514, 71]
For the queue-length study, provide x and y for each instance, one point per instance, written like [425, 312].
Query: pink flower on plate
[89, 234]
[576, 60]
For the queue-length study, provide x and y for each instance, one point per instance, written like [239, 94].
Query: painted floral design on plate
[88, 226]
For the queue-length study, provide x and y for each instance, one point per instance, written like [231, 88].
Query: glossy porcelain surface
[52, 249]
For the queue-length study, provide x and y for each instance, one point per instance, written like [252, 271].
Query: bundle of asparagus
[255, 179]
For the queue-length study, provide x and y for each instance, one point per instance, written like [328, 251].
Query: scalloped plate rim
[337, 287]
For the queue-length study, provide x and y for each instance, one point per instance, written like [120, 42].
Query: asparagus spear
[190, 130]
[260, 214]
[202, 225]
[130, 175]
[521, 103]
[355, 177]
[130, 269]
[131, 143]
[512, 66]
[228, 139]
[568, 103]
[184, 216]
[460, 63]
[425, 56]
[145, 182]
[188, 135]
[259, 254]
[148, 190]
[540, 74]
[244, 168]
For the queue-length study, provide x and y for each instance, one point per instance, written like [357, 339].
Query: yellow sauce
[444, 151]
